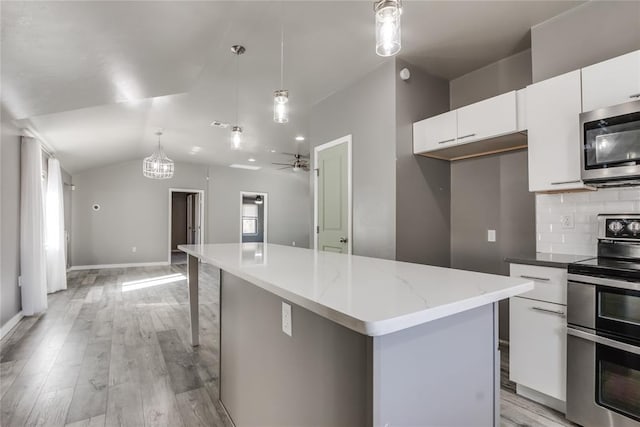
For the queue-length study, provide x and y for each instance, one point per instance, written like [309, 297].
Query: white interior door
[190, 219]
[197, 202]
[333, 222]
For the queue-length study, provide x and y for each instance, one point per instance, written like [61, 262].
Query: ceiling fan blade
[283, 164]
[287, 167]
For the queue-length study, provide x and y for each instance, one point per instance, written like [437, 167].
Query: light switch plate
[491, 235]
[286, 318]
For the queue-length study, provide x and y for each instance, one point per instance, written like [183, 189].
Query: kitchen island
[312, 338]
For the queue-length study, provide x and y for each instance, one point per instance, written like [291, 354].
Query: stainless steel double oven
[603, 332]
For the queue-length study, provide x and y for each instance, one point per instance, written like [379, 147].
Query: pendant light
[281, 96]
[158, 165]
[236, 130]
[387, 16]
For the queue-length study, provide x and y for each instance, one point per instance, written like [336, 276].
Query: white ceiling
[97, 79]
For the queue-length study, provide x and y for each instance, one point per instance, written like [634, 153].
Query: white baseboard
[131, 264]
[11, 323]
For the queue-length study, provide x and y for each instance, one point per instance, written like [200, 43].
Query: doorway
[253, 217]
[332, 196]
[186, 221]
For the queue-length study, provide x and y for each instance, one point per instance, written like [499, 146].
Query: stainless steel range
[603, 331]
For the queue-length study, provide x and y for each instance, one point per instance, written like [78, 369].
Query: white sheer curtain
[32, 253]
[54, 229]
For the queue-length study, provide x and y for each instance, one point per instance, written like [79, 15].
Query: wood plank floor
[113, 350]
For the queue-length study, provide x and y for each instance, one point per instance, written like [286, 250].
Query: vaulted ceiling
[96, 79]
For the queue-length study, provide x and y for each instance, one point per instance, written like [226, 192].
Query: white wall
[584, 206]
[134, 209]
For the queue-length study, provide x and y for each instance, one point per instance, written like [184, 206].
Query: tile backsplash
[579, 210]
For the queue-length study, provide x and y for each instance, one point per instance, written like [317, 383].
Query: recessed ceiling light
[299, 138]
[252, 159]
[273, 151]
[240, 166]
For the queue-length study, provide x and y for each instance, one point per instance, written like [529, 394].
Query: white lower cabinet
[538, 346]
[538, 336]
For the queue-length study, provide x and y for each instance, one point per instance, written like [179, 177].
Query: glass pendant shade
[387, 14]
[236, 137]
[158, 165]
[280, 107]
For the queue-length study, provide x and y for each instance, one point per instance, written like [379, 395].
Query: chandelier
[158, 165]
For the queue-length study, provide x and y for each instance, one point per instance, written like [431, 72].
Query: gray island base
[372, 342]
[441, 373]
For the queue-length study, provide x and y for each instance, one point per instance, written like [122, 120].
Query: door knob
[343, 240]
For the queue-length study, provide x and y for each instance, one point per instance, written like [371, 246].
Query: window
[250, 219]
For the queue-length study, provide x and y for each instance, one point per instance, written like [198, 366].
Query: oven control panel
[625, 227]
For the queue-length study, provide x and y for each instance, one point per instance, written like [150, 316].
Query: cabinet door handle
[541, 279]
[575, 181]
[636, 95]
[467, 136]
[546, 310]
[446, 140]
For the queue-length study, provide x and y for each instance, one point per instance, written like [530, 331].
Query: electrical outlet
[133, 249]
[286, 318]
[566, 221]
[491, 235]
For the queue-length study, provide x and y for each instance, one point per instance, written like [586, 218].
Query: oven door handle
[604, 341]
[592, 280]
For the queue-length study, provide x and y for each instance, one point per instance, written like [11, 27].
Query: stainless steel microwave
[610, 142]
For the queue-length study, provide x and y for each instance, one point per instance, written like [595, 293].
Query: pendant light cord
[237, 87]
[281, 48]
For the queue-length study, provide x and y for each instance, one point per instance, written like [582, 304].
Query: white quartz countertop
[368, 295]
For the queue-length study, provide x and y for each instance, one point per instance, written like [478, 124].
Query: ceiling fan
[300, 162]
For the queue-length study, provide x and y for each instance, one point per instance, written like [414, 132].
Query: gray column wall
[491, 193]
[423, 188]
[590, 33]
[505, 75]
[10, 303]
[365, 110]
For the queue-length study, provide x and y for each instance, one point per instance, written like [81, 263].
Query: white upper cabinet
[611, 82]
[487, 119]
[553, 109]
[435, 132]
[447, 136]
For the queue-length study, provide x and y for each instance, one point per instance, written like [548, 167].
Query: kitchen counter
[368, 295]
[544, 259]
[312, 338]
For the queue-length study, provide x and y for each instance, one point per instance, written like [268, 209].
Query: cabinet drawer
[550, 283]
[538, 346]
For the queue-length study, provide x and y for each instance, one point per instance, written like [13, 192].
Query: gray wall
[491, 193]
[422, 184]
[511, 73]
[135, 209]
[10, 303]
[134, 212]
[585, 35]
[366, 110]
[288, 200]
